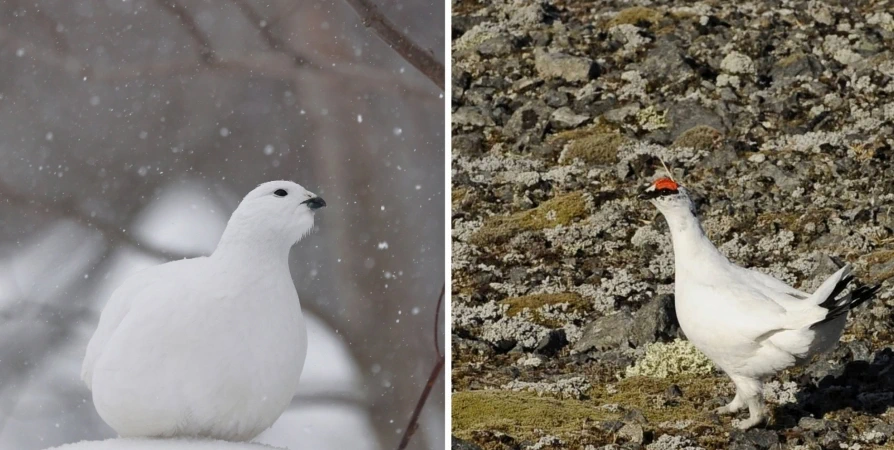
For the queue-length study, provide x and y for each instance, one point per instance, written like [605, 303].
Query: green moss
[560, 210]
[597, 148]
[520, 413]
[525, 415]
[701, 137]
[535, 301]
[636, 15]
[664, 360]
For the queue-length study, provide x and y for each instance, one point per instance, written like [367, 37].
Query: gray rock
[812, 424]
[564, 118]
[605, 333]
[470, 116]
[459, 444]
[754, 439]
[501, 45]
[788, 69]
[467, 144]
[529, 121]
[620, 115]
[567, 67]
[554, 341]
[682, 116]
[783, 179]
[632, 432]
[665, 59]
[526, 13]
[656, 320]
[460, 80]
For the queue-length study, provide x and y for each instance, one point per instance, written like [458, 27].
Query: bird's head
[668, 196]
[277, 210]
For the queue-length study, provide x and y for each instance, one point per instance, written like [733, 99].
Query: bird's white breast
[218, 355]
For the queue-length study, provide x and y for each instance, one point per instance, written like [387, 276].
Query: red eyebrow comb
[665, 183]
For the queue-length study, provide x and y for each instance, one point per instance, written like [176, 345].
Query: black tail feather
[831, 301]
[841, 306]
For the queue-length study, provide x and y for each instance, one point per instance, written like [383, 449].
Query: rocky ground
[777, 115]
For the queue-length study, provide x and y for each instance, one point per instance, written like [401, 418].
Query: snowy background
[129, 130]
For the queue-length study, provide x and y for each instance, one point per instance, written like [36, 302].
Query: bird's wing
[771, 284]
[746, 311]
[139, 287]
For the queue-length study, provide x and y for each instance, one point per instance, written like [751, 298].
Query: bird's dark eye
[280, 193]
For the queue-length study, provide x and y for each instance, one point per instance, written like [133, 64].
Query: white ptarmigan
[210, 346]
[750, 324]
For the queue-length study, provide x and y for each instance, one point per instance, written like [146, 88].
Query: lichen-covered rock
[567, 67]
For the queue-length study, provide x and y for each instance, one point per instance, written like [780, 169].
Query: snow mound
[163, 444]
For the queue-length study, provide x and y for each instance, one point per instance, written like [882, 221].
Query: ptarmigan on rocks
[750, 324]
[210, 346]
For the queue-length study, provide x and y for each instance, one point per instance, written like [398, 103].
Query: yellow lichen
[650, 119]
[663, 360]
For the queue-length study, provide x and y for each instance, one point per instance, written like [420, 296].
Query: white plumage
[750, 324]
[211, 346]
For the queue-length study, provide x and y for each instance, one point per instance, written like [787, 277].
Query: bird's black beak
[314, 203]
[646, 195]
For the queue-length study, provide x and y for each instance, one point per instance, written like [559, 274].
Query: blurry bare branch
[271, 65]
[432, 378]
[423, 60]
[274, 42]
[206, 51]
[68, 210]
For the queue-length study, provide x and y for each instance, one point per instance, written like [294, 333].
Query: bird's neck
[250, 249]
[693, 251]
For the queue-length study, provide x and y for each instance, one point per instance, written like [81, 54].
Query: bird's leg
[751, 393]
[756, 414]
[733, 406]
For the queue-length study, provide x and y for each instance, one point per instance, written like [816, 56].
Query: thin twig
[432, 378]
[437, 314]
[206, 51]
[423, 60]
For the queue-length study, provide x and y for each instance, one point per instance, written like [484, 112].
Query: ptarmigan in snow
[750, 324]
[210, 346]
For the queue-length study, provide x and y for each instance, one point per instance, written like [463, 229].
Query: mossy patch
[521, 413]
[560, 210]
[595, 149]
[701, 137]
[525, 415]
[533, 302]
[636, 15]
